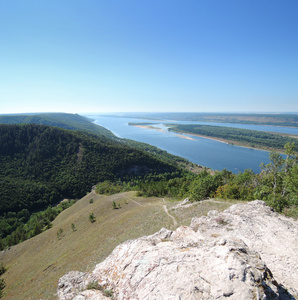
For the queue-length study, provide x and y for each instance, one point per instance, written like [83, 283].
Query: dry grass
[35, 266]
[198, 209]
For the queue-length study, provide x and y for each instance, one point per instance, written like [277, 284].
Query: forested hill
[41, 165]
[62, 120]
[78, 122]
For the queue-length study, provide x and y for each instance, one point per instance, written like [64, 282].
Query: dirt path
[135, 202]
[167, 212]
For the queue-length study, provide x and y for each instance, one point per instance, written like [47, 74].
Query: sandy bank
[148, 127]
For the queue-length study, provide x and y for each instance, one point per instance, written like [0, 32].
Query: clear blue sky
[148, 55]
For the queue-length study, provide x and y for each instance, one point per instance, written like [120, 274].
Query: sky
[83, 56]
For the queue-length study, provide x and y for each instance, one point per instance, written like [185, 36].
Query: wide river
[202, 151]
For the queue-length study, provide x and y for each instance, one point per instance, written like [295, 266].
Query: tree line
[276, 184]
[23, 225]
[252, 138]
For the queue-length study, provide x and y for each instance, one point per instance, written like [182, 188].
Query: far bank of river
[202, 151]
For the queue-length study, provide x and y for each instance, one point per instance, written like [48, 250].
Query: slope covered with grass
[35, 266]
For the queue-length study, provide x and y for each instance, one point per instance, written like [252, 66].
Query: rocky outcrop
[246, 252]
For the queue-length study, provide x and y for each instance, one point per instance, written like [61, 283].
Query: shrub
[94, 285]
[2, 282]
[59, 233]
[92, 218]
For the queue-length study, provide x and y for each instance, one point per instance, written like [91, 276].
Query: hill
[62, 120]
[78, 122]
[61, 163]
[41, 165]
[35, 266]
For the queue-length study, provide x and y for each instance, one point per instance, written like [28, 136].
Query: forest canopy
[41, 165]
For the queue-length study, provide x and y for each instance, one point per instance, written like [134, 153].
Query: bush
[94, 285]
[2, 282]
[114, 205]
[59, 233]
[92, 218]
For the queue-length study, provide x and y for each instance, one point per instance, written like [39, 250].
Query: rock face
[246, 252]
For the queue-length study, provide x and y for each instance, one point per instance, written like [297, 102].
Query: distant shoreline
[234, 143]
[184, 135]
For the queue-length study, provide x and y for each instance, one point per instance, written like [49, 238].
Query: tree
[2, 286]
[282, 176]
[114, 205]
[202, 187]
[59, 233]
[92, 218]
[2, 282]
[73, 227]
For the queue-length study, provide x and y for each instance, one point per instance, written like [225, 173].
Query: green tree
[92, 218]
[203, 186]
[281, 174]
[2, 282]
[59, 233]
[2, 286]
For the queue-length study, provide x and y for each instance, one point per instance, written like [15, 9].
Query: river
[202, 151]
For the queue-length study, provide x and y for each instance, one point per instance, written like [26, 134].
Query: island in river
[241, 137]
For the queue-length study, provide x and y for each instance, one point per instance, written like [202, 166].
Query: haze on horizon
[148, 56]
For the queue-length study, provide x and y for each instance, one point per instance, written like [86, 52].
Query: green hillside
[78, 122]
[42, 164]
[62, 120]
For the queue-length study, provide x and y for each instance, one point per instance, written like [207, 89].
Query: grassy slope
[35, 265]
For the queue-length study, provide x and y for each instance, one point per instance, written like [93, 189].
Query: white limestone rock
[70, 285]
[217, 257]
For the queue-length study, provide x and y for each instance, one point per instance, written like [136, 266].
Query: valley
[136, 189]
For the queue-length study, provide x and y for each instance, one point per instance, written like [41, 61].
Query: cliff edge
[246, 252]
